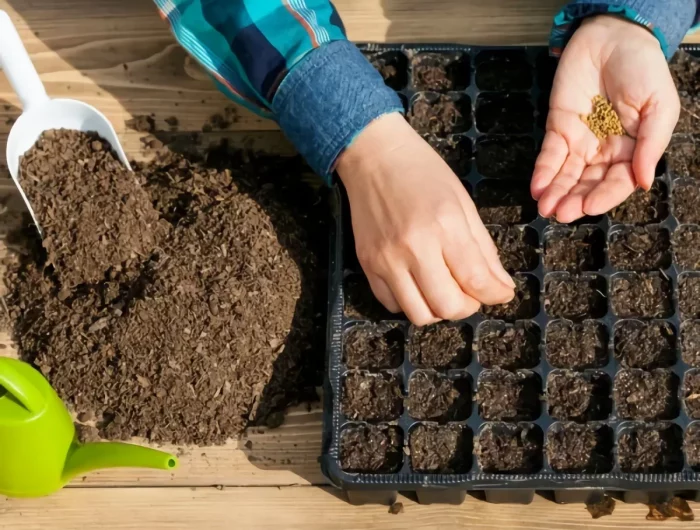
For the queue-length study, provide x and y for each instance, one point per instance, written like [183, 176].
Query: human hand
[418, 235]
[576, 174]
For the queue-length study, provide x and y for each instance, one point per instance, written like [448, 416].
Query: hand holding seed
[612, 111]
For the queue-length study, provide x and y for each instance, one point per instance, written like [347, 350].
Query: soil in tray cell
[686, 197]
[685, 70]
[440, 113]
[371, 449]
[370, 346]
[683, 159]
[686, 247]
[439, 72]
[360, 302]
[640, 248]
[642, 395]
[435, 397]
[372, 397]
[508, 396]
[689, 296]
[576, 448]
[441, 346]
[518, 247]
[505, 157]
[576, 345]
[574, 249]
[690, 342]
[509, 346]
[440, 449]
[393, 67]
[647, 448]
[641, 295]
[504, 113]
[691, 394]
[574, 297]
[525, 304]
[644, 345]
[578, 396]
[456, 150]
[499, 204]
[691, 445]
[643, 207]
[507, 448]
[503, 71]
[689, 119]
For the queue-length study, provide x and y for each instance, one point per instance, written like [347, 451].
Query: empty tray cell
[686, 247]
[393, 67]
[683, 160]
[373, 346]
[504, 113]
[440, 113]
[508, 396]
[499, 204]
[640, 248]
[691, 394]
[435, 397]
[360, 302]
[689, 295]
[691, 446]
[507, 448]
[503, 70]
[372, 397]
[643, 448]
[505, 157]
[542, 110]
[574, 297]
[371, 449]
[441, 346]
[440, 449]
[686, 197]
[440, 72]
[525, 304]
[456, 150]
[642, 395]
[508, 346]
[641, 295]
[576, 345]
[576, 448]
[574, 249]
[690, 342]
[645, 345]
[578, 396]
[518, 247]
[643, 207]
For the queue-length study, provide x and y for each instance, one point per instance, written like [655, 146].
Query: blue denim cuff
[668, 20]
[327, 99]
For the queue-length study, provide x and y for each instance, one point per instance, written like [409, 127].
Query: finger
[619, 183]
[549, 162]
[383, 293]
[406, 292]
[655, 129]
[562, 184]
[571, 207]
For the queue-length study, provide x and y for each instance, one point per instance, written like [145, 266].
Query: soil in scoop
[690, 342]
[517, 247]
[372, 397]
[577, 396]
[691, 394]
[509, 346]
[686, 247]
[643, 207]
[511, 204]
[640, 248]
[686, 197]
[644, 345]
[650, 449]
[575, 448]
[505, 157]
[440, 114]
[504, 113]
[441, 346]
[434, 397]
[574, 250]
[525, 304]
[368, 346]
[576, 346]
[438, 72]
[456, 150]
[393, 67]
[440, 449]
[371, 449]
[689, 296]
[574, 297]
[641, 295]
[683, 159]
[506, 448]
[691, 445]
[641, 395]
[508, 396]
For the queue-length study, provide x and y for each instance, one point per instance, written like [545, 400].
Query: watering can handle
[19, 387]
[18, 67]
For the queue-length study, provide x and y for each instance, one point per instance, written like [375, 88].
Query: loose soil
[505, 157]
[141, 123]
[372, 397]
[689, 119]
[455, 150]
[438, 72]
[691, 445]
[574, 297]
[691, 394]
[517, 247]
[690, 342]
[685, 70]
[644, 345]
[683, 159]
[576, 346]
[643, 207]
[686, 197]
[601, 508]
[686, 247]
[603, 121]
[371, 449]
[504, 114]
[360, 302]
[574, 250]
[503, 71]
[525, 304]
[510, 346]
[641, 395]
[434, 397]
[640, 248]
[575, 448]
[508, 396]
[506, 448]
[650, 449]
[441, 346]
[676, 508]
[440, 114]
[641, 295]
[689, 296]
[368, 346]
[497, 204]
[440, 449]
[579, 397]
[393, 67]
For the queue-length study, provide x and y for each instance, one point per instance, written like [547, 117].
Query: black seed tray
[502, 95]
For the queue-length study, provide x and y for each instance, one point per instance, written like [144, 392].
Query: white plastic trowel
[39, 113]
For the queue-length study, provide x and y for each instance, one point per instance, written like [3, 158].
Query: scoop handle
[18, 67]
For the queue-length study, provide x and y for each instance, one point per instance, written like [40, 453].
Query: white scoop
[39, 112]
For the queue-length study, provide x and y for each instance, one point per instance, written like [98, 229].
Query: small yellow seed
[603, 121]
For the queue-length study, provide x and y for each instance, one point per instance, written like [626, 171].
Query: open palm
[577, 174]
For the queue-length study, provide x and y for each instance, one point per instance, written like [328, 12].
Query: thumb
[657, 122]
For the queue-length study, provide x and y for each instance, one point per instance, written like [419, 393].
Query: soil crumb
[396, 508]
[517, 247]
[433, 396]
[647, 448]
[605, 506]
[644, 344]
[691, 394]
[691, 445]
[441, 346]
[141, 123]
[574, 250]
[576, 448]
[603, 121]
[576, 346]
[574, 297]
[525, 304]
[686, 247]
[676, 508]
[509, 346]
[508, 396]
[507, 448]
[440, 449]
[689, 296]
[640, 248]
[372, 397]
[641, 295]
[641, 395]
[643, 207]
[371, 449]
[577, 396]
[690, 342]
[440, 114]
[369, 346]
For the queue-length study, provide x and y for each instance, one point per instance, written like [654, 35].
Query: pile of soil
[690, 342]
[441, 346]
[370, 346]
[517, 247]
[438, 72]
[371, 449]
[512, 204]
[574, 297]
[393, 67]
[455, 150]
[691, 394]
[504, 113]
[503, 71]
[434, 397]
[641, 295]
[641, 395]
[683, 159]
[360, 302]
[603, 121]
[575, 448]
[440, 114]
[509, 346]
[440, 449]
[577, 396]
[372, 397]
[508, 448]
[686, 197]
[576, 346]
[645, 345]
[525, 304]
[692, 445]
[640, 248]
[650, 449]
[643, 207]
[686, 247]
[506, 157]
[689, 296]
[574, 250]
[508, 396]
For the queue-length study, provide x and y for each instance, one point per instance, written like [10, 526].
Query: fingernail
[505, 277]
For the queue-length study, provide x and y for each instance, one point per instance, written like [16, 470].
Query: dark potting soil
[360, 302]
[642, 395]
[650, 449]
[504, 113]
[525, 304]
[644, 345]
[503, 71]
[577, 396]
[601, 507]
[643, 207]
[455, 150]
[438, 72]
[685, 70]
[371, 449]
[686, 197]
[683, 159]
[574, 297]
[689, 119]
[576, 346]
[686, 247]
[440, 449]
[497, 204]
[641, 295]
[507, 448]
[576, 448]
[574, 250]
[370, 346]
[509, 346]
[372, 397]
[392, 66]
[691, 394]
[640, 248]
[691, 445]
[674, 508]
[141, 123]
[689, 296]
[434, 397]
[517, 247]
[441, 346]
[506, 157]
[508, 396]
[440, 114]
[690, 342]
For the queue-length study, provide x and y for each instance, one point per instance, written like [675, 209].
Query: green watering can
[39, 452]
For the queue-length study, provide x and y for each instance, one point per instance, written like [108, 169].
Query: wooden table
[119, 56]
